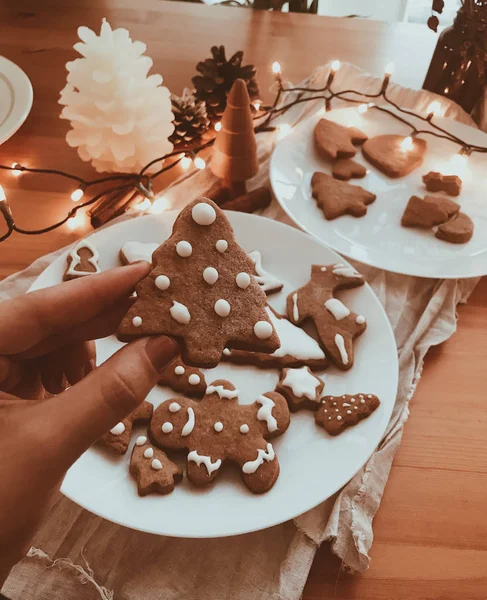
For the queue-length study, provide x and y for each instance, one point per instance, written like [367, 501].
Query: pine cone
[190, 119]
[217, 77]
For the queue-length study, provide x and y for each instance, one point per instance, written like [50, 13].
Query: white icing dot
[326, 410]
[162, 282]
[137, 321]
[323, 269]
[362, 401]
[244, 428]
[174, 407]
[227, 351]
[218, 426]
[203, 214]
[179, 370]
[180, 313]
[360, 320]
[210, 275]
[167, 427]
[355, 408]
[243, 280]
[349, 412]
[339, 418]
[221, 246]
[352, 400]
[369, 396]
[184, 249]
[329, 418]
[141, 440]
[118, 429]
[337, 410]
[222, 308]
[194, 379]
[334, 403]
[156, 464]
[149, 452]
[263, 330]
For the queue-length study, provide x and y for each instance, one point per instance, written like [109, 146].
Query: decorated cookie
[133, 251]
[394, 156]
[118, 438]
[189, 381]
[301, 388]
[429, 211]
[336, 413]
[337, 326]
[336, 198]
[201, 291]
[346, 168]
[268, 283]
[436, 182]
[153, 471]
[297, 349]
[334, 141]
[458, 230]
[219, 429]
[82, 261]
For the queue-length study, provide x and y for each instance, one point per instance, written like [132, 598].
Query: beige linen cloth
[117, 563]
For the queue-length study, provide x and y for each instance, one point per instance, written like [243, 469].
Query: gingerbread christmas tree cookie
[218, 429]
[201, 291]
[333, 140]
[153, 471]
[336, 198]
[428, 211]
[336, 413]
[82, 261]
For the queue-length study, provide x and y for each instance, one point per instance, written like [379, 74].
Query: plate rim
[21, 86]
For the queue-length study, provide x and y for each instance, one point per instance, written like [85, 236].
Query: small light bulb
[434, 109]
[389, 69]
[75, 222]
[3, 197]
[182, 155]
[144, 205]
[77, 195]
[257, 104]
[276, 67]
[199, 163]
[335, 66]
[159, 205]
[17, 171]
[457, 163]
[363, 108]
[283, 130]
[185, 162]
[218, 126]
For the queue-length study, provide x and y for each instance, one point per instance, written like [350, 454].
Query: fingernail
[161, 350]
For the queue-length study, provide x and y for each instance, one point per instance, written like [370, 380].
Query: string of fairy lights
[143, 181]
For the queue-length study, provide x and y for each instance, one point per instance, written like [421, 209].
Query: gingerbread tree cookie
[153, 471]
[336, 198]
[333, 140]
[336, 413]
[201, 291]
[189, 381]
[82, 261]
[118, 438]
[337, 325]
[301, 388]
[428, 211]
[392, 156]
[219, 429]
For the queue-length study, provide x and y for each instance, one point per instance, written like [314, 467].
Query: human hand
[44, 341]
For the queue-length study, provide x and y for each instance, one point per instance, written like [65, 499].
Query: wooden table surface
[431, 530]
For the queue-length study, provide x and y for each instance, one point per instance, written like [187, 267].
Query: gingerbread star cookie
[436, 182]
[334, 141]
[428, 211]
[301, 388]
[201, 291]
[336, 198]
[218, 429]
[346, 168]
[82, 261]
[118, 438]
[459, 230]
[153, 471]
[336, 413]
[393, 156]
[189, 381]
[337, 326]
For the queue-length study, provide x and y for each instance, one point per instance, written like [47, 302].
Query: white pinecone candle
[121, 118]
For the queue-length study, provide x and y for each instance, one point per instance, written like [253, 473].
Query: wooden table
[431, 530]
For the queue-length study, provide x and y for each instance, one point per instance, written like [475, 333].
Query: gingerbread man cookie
[118, 438]
[428, 211]
[436, 182]
[153, 471]
[268, 283]
[134, 251]
[301, 388]
[337, 198]
[336, 413]
[201, 291]
[218, 429]
[337, 325]
[184, 379]
[334, 141]
[393, 156]
[82, 261]
[346, 168]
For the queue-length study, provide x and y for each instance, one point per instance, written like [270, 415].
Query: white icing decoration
[118, 429]
[360, 320]
[295, 341]
[174, 407]
[267, 282]
[340, 269]
[349, 412]
[184, 249]
[295, 307]
[252, 465]
[180, 313]
[337, 308]
[369, 396]
[227, 351]
[340, 344]
[194, 379]
[265, 412]
[141, 440]
[203, 214]
[362, 401]
[149, 452]
[263, 330]
[323, 269]
[137, 321]
[222, 308]
[206, 460]
[76, 259]
[134, 251]
[346, 404]
[243, 280]
[179, 370]
[244, 428]
[302, 383]
[222, 392]
[156, 464]
[221, 246]
[210, 275]
[189, 425]
[339, 418]
[218, 426]
[162, 282]
[167, 427]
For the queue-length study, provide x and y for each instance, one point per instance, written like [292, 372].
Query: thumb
[107, 395]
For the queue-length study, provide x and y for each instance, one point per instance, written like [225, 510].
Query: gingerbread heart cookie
[118, 438]
[336, 198]
[189, 381]
[337, 326]
[301, 388]
[393, 156]
[334, 141]
[201, 291]
[153, 471]
[436, 182]
[346, 168]
[218, 429]
[428, 211]
[459, 230]
[336, 413]
[82, 261]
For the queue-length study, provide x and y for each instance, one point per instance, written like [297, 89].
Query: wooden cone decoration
[235, 151]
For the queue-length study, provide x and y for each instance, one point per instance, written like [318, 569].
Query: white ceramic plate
[15, 98]
[313, 464]
[378, 239]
